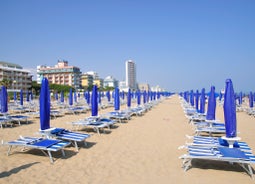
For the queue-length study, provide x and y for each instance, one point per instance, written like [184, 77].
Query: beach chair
[120, 116]
[95, 123]
[224, 154]
[19, 118]
[45, 145]
[63, 134]
[4, 120]
[212, 142]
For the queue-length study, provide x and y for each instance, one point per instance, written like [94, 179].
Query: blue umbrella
[116, 99]
[211, 105]
[27, 96]
[129, 98]
[88, 97]
[94, 104]
[108, 95]
[21, 97]
[71, 97]
[202, 101]
[31, 96]
[191, 98]
[99, 97]
[4, 100]
[44, 105]
[15, 96]
[62, 98]
[230, 110]
[138, 97]
[251, 100]
[56, 96]
[144, 97]
[196, 99]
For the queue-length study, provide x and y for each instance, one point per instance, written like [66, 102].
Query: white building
[109, 81]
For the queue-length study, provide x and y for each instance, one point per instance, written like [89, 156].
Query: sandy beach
[144, 150]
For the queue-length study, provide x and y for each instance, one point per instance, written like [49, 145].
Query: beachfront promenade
[143, 150]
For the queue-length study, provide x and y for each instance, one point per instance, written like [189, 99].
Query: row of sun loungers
[57, 139]
[203, 146]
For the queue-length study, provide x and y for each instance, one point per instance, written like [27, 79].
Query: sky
[177, 44]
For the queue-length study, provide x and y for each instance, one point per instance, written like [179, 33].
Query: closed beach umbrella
[94, 103]
[191, 97]
[71, 97]
[108, 95]
[202, 101]
[21, 97]
[197, 99]
[211, 105]
[138, 96]
[15, 96]
[230, 110]
[44, 105]
[27, 96]
[4, 100]
[62, 98]
[116, 99]
[99, 97]
[56, 96]
[88, 97]
[251, 100]
[129, 98]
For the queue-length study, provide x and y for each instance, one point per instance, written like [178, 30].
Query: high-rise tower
[131, 75]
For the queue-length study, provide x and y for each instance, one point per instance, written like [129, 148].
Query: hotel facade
[60, 74]
[19, 78]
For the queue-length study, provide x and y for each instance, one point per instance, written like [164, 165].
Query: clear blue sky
[176, 44]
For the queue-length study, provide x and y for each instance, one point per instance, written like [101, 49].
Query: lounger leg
[51, 159]
[76, 146]
[63, 153]
[9, 150]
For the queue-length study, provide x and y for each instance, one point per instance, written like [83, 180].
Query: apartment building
[61, 73]
[18, 77]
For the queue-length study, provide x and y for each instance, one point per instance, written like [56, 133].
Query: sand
[144, 150]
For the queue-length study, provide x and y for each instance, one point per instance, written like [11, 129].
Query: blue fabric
[129, 98]
[4, 100]
[202, 101]
[230, 109]
[210, 115]
[57, 130]
[117, 99]
[94, 103]
[71, 97]
[21, 97]
[44, 105]
[224, 142]
[46, 143]
[232, 152]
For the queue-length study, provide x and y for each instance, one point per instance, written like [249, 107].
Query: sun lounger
[225, 154]
[63, 134]
[212, 142]
[4, 120]
[45, 145]
[92, 122]
[120, 116]
[19, 118]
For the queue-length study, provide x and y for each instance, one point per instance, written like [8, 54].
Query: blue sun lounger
[212, 142]
[63, 134]
[45, 145]
[225, 154]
